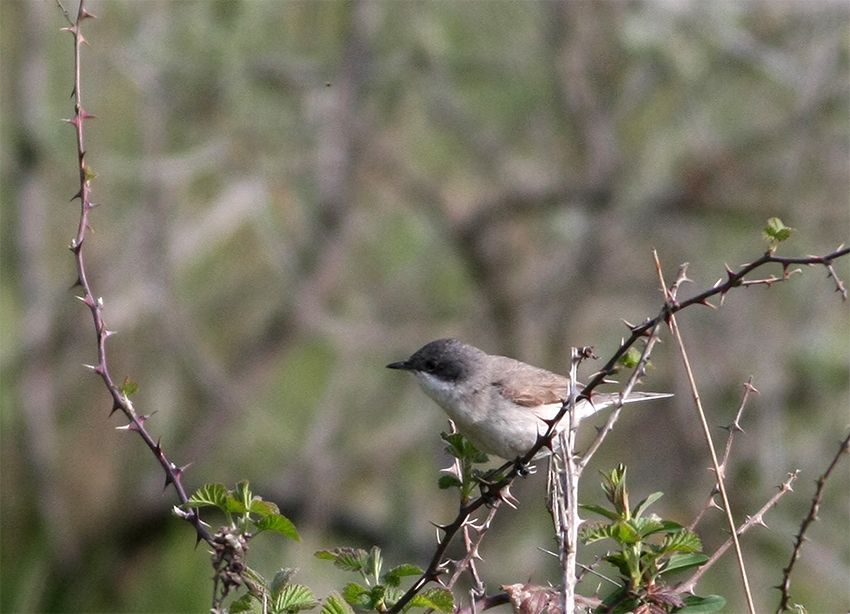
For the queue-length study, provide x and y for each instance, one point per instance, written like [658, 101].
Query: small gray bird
[497, 402]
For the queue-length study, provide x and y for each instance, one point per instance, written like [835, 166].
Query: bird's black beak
[403, 365]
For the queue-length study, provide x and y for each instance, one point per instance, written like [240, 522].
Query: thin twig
[756, 519]
[638, 372]
[785, 585]
[719, 470]
[773, 279]
[733, 427]
[839, 285]
[65, 13]
[120, 400]
[733, 279]
[472, 544]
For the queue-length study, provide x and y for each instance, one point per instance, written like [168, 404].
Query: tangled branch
[734, 279]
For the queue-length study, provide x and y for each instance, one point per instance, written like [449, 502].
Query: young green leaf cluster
[775, 232]
[649, 548]
[279, 597]
[379, 592]
[463, 475]
[248, 515]
[243, 509]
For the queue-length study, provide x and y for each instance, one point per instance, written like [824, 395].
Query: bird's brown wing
[529, 386]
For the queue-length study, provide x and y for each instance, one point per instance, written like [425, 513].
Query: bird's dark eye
[430, 365]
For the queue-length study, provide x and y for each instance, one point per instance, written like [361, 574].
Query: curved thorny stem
[120, 399]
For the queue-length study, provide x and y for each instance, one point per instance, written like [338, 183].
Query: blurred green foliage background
[296, 193]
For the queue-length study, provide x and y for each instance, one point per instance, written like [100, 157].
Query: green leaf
[625, 533]
[375, 562]
[325, 555]
[646, 526]
[683, 540]
[614, 486]
[356, 594]
[362, 597]
[255, 582]
[294, 598]
[349, 559]
[234, 505]
[630, 358]
[393, 576]
[263, 508]
[449, 481]
[680, 562]
[698, 605]
[129, 387]
[439, 599]
[614, 602]
[640, 508]
[281, 579]
[618, 560]
[598, 509]
[376, 596]
[243, 604]
[243, 494]
[392, 594]
[278, 523]
[460, 447]
[672, 527]
[776, 231]
[590, 533]
[214, 495]
[335, 604]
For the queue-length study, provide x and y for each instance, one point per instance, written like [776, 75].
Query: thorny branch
[785, 586]
[120, 399]
[733, 427]
[720, 288]
[756, 519]
[638, 372]
[472, 543]
[733, 279]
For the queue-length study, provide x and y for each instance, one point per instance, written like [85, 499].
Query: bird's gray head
[449, 360]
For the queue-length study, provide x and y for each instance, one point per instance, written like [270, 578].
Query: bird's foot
[524, 469]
